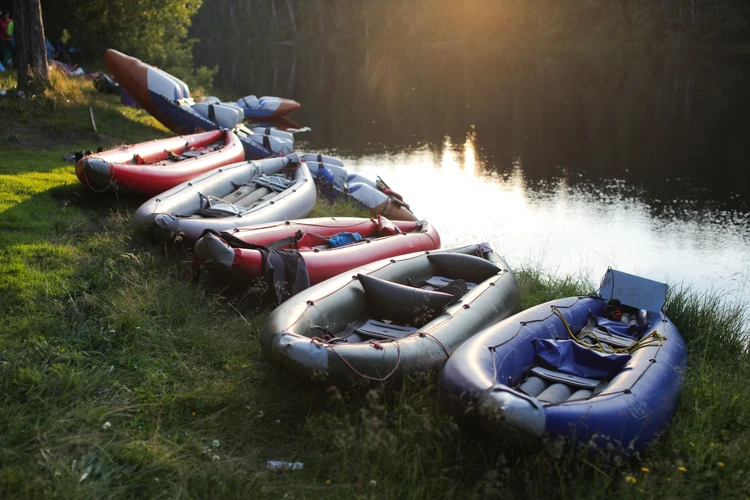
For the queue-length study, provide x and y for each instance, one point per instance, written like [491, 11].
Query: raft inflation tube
[333, 180]
[274, 132]
[243, 254]
[153, 167]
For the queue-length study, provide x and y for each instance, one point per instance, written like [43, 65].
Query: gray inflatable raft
[233, 196]
[392, 318]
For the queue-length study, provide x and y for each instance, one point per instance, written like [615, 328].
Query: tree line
[509, 22]
[163, 32]
[155, 31]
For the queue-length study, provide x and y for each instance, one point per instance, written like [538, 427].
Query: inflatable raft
[168, 100]
[605, 370]
[392, 318]
[319, 248]
[233, 196]
[153, 167]
[333, 181]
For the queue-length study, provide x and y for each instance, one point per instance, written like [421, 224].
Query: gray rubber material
[167, 217]
[402, 304]
[292, 334]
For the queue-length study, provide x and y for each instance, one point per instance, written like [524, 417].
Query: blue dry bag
[342, 239]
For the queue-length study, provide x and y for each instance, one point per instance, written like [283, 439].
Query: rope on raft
[653, 339]
[325, 343]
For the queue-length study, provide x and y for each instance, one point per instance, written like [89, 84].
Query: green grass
[119, 378]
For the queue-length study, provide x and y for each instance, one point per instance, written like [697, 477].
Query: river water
[564, 163]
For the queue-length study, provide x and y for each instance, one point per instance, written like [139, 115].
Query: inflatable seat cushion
[221, 114]
[386, 227]
[402, 304]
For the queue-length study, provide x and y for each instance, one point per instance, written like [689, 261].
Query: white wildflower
[106, 426]
[215, 443]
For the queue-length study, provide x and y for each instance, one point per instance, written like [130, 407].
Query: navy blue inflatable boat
[590, 368]
[257, 145]
[168, 100]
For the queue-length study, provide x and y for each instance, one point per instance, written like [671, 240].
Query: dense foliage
[152, 30]
[521, 22]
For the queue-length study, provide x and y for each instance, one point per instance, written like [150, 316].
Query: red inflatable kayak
[153, 167]
[311, 239]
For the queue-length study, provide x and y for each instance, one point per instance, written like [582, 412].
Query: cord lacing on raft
[331, 341]
[653, 339]
[325, 343]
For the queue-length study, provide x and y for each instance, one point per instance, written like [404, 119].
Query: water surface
[565, 163]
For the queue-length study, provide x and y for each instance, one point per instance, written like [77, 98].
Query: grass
[120, 378]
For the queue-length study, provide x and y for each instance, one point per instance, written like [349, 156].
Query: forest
[478, 22]
[168, 33]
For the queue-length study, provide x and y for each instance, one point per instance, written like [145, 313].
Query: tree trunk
[31, 51]
[290, 7]
[367, 23]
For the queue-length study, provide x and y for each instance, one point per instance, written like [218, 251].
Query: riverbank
[123, 379]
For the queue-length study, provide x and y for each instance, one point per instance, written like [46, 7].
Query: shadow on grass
[60, 211]
[37, 136]
[45, 237]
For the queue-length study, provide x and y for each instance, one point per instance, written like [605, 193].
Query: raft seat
[552, 387]
[370, 329]
[225, 208]
[383, 330]
[190, 153]
[440, 281]
[269, 196]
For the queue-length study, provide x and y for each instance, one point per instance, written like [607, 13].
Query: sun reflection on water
[555, 225]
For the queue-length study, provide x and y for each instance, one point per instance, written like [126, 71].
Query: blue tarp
[617, 328]
[568, 356]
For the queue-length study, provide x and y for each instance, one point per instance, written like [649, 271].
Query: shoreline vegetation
[122, 379]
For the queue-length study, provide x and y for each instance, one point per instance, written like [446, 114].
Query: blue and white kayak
[585, 368]
[168, 100]
[334, 181]
[266, 107]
